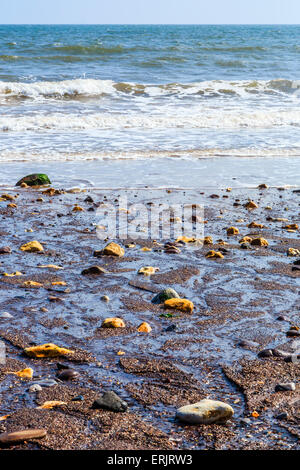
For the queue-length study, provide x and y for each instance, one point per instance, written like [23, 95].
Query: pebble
[94, 270]
[46, 383]
[246, 422]
[164, 295]
[265, 353]
[288, 387]
[68, 374]
[247, 344]
[205, 412]
[110, 401]
[35, 388]
[105, 298]
[172, 327]
[78, 398]
[21, 436]
[5, 250]
[282, 416]
[5, 315]
[113, 249]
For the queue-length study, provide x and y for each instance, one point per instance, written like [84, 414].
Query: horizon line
[149, 24]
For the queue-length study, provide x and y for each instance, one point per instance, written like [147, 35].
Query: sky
[150, 11]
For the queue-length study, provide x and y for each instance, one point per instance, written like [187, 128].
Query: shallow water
[173, 172]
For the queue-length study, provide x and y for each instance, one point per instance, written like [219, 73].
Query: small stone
[251, 205]
[164, 295]
[265, 353]
[78, 398]
[247, 344]
[36, 179]
[282, 318]
[259, 242]
[255, 225]
[46, 350]
[172, 327]
[287, 387]
[293, 252]
[263, 186]
[105, 298]
[113, 249]
[5, 250]
[208, 241]
[113, 323]
[21, 436]
[232, 231]
[94, 270]
[184, 305]
[35, 388]
[147, 270]
[293, 331]
[32, 247]
[110, 401]
[214, 254]
[246, 422]
[205, 412]
[77, 208]
[5, 315]
[68, 374]
[282, 416]
[46, 383]
[144, 328]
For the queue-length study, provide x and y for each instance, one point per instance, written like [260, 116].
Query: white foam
[195, 119]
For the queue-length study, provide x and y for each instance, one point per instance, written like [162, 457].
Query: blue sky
[150, 11]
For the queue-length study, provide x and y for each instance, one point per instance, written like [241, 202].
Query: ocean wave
[202, 119]
[93, 87]
[55, 155]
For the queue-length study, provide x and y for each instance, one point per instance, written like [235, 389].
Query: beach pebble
[184, 305]
[105, 298]
[164, 295]
[113, 249]
[78, 398]
[282, 416]
[110, 401]
[172, 327]
[36, 179]
[5, 250]
[287, 387]
[265, 353]
[247, 344]
[35, 388]
[246, 422]
[46, 383]
[5, 315]
[68, 374]
[21, 436]
[113, 323]
[205, 412]
[96, 270]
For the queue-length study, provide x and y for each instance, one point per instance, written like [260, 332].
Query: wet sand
[236, 298]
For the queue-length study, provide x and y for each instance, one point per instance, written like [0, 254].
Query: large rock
[164, 295]
[36, 179]
[205, 412]
[110, 401]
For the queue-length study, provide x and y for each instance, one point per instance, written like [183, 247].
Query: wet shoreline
[237, 298]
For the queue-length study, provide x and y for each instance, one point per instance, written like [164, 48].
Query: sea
[177, 105]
